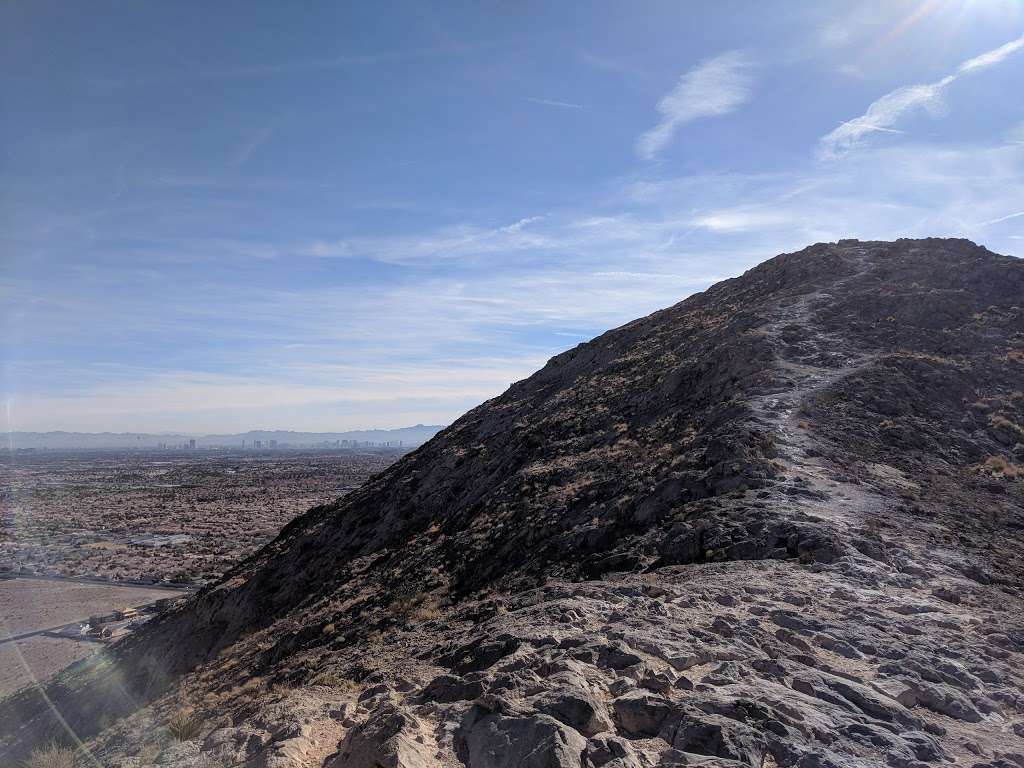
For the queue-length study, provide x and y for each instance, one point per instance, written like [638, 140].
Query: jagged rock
[236, 745]
[390, 738]
[946, 594]
[946, 702]
[499, 741]
[641, 713]
[611, 752]
[577, 708]
[717, 736]
[447, 688]
[659, 682]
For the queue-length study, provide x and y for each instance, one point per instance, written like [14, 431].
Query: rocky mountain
[777, 524]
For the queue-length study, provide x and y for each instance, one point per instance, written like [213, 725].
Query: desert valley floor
[88, 532]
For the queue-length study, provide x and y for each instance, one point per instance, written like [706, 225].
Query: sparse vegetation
[998, 466]
[184, 725]
[159, 486]
[53, 755]
[149, 753]
[426, 613]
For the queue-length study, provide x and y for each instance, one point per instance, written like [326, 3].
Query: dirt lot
[31, 605]
[161, 515]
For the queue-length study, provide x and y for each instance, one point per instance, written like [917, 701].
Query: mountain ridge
[778, 523]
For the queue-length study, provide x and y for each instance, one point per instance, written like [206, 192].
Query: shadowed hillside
[779, 523]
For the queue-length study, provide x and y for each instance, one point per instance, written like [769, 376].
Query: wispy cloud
[326, 63]
[884, 113]
[618, 66]
[1015, 135]
[423, 345]
[913, 190]
[258, 139]
[1001, 219]
[552, 103]
[989, 58]
[463, 241]
[714, 87]
[741, 219]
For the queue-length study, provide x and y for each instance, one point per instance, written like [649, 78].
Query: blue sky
[227, 216]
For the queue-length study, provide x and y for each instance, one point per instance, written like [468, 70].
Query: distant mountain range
[404, 436]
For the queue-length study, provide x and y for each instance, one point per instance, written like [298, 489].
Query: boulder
[392, 737]
[494, 740]
[642, 713]
[577, 708]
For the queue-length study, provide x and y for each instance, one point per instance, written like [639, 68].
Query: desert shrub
[183, 725]
[149, 753]
[997, 465]
[53, 755]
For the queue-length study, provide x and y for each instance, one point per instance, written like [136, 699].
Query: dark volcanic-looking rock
[777, 524]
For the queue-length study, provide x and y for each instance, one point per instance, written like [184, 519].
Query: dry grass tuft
[53, 755]
[997, 466]
[184, 725]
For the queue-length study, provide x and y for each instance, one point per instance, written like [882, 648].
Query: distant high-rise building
[273, 443]
[192, 444]
[257, 444]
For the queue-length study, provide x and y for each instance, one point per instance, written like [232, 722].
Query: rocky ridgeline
[777, 524]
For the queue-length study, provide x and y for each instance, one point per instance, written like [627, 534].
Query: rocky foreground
[777, 524]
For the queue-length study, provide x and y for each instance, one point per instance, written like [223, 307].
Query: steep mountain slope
[779, 523]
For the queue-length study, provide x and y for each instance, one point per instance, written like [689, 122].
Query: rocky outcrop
[777, 524]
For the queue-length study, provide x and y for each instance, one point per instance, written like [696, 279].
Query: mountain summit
[777, 524]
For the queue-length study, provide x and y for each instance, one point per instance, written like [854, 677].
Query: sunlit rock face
[777, 524]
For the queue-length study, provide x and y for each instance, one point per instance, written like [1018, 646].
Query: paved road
[36, 632]
[179, 588]
[138, 602]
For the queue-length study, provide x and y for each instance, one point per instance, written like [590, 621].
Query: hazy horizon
[180, 433]
[405, 436]
[359, 215]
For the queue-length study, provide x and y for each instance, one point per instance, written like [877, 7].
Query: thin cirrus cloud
[326, 63]
[1001, 219]
[382, 355]
[716, 86]
[257, 140]
[885, 112]
[447, 244]
[552, 103]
